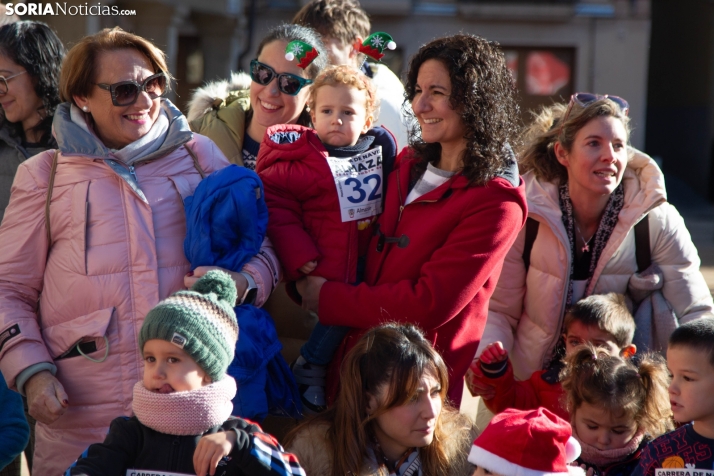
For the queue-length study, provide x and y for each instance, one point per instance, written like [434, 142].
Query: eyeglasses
[125, 93]
[3, 82]
[585, 99]
[289, 84]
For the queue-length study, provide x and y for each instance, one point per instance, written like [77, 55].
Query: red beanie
[527, 443]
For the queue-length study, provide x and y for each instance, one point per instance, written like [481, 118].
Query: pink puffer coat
[113, 256]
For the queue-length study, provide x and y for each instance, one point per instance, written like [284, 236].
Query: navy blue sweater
[14, 430]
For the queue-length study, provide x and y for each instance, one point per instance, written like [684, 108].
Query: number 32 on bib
[358, 181]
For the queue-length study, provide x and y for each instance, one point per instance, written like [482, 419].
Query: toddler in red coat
[324, 190]
[602, 320]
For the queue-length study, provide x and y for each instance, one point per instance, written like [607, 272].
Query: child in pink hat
[526, 443]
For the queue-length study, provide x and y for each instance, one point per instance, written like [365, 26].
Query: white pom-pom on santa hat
[572, 450]
[392, 45]
[289, 56]
[527, 443]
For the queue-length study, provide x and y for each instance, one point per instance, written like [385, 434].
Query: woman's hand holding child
[308, 267]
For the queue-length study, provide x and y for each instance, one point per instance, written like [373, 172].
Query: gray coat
[12, 154]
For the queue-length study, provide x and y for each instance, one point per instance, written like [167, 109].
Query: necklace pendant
[585, 248]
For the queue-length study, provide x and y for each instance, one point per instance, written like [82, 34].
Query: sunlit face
[21, 103]
[410, 425]
[119, 126]
[578, 334]
[598, 157]
[438, 121]
[692, 386]
[600, 428]
[168, 368]
[270, 106]
[340, 114]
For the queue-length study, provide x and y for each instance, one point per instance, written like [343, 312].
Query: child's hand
[308, 267]
[493, 353]
[588, 471]
[210, 450]
[476, 385]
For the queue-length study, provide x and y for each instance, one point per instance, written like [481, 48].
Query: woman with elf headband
[236, 113]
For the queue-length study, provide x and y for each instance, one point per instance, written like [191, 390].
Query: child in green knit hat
[182, 406]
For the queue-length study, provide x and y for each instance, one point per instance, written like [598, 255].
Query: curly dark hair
[35, 47]
[483, 91]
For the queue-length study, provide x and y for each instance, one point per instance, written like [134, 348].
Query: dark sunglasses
[125, 93]
[585, 99]
[289, 84]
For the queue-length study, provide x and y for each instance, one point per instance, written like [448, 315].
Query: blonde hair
[79, 69]
[397, 356]
[593, 376]
[609, 312]
[538, 139]
[347, 76]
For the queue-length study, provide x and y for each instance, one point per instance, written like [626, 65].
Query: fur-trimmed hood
[219, 110]
[216, 93]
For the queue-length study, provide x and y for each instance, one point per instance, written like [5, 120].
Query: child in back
[690, 448]
[324, 189]
[182, 420]
[526, 443]
[601, 319]
[616, 407]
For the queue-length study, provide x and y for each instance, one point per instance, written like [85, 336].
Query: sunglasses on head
[125, 93]
[289, 84]
[585, 99]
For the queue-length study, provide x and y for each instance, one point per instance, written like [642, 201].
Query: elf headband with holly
[303, 52]
[375, 45]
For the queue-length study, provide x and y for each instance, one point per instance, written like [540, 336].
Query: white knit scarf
[192, 412]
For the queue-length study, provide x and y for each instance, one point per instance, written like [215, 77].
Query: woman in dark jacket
[30, 60]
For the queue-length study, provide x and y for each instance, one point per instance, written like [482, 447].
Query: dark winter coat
[132, 445]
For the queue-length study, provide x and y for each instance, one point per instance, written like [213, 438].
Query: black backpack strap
[531, 233]
[642, 244]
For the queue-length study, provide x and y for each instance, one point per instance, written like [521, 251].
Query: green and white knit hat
[200, 321]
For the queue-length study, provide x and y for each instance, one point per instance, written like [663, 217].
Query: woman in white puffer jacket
[587, 190]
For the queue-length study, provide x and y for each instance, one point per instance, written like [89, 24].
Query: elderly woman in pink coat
[93, 238]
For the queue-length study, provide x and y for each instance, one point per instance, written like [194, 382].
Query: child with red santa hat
[526, 443]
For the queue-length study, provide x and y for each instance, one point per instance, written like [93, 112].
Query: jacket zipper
[401, 207]
[175, 451]
[133, 173]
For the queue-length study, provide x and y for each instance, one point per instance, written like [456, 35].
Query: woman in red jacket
[454, 205]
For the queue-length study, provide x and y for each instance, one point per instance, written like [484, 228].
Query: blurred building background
[658, 54]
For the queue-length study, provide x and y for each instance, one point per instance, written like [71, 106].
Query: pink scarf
[594, 456]
[185, 413]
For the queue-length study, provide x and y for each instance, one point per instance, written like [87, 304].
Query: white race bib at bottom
[358, 181]
[683, 472]
[151, 472]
